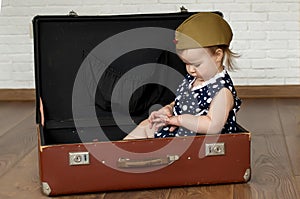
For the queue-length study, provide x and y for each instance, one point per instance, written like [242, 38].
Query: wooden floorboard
[274, 124]
[298, 183]
[9, 118]
[260, 116]
[145, 194]
[22, 181]
[205, 192]
[289, 111]
[272, 175]
[16, 143]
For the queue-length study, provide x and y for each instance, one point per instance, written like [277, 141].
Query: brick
[266, 26]
[291, 81]
[7, 84]
[158, 8]
[15, 39]
[283, 72]
[16, 84]
[25, 76]
[14, 20]
[17, 11]
[255, 73]
[119, 9]
[22, 67]
[250, 35]
[238, 45]
[5, 58]
[270, 7]
[233, 7]
[242, 63]
[64, 3]
[15, 49]
[177, 1]
[268, 63]
[267, 81]
[14, 30]
[291, 26]
[215, 1]
[284, 16]
[248, 16]
[294, 62]
[294, 7]
[54, 10]
[285, 35]
[254, 54]
[101, 2]
[5, 3]
[261, 44]
[136, 2]
[238, 26]
[27, 3]
[20, 58]
[281, 54]
[240, 81]
[5, 67]
[5, 76]
[197, 7]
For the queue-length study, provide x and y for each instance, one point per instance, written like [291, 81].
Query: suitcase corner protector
[247, 175]
[46, 188]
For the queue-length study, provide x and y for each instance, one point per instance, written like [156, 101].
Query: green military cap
[203, 29]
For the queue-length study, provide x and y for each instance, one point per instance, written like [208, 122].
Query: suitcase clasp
[79, 158]
[214, 149]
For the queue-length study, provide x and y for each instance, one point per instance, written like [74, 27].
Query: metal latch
[214, 149]
[79, 158]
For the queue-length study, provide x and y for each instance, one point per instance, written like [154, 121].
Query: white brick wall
[266, 34]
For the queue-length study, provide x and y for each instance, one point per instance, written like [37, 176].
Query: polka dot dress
[197, 100]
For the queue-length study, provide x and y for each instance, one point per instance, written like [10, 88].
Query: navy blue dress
[196, 101]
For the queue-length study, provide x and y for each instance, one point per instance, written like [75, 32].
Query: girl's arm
[213, 122]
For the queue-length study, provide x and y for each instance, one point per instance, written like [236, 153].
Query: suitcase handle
[128, 163]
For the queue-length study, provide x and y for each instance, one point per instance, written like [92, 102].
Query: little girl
[206, 102]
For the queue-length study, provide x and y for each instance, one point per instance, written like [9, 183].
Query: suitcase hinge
[72, 13]
[46, 188]
[183, 9]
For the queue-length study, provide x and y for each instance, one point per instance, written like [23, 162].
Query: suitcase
[83, 111]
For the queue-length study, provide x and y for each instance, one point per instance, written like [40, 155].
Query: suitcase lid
[62, 44]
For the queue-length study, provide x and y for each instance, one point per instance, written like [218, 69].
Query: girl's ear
[219, 54]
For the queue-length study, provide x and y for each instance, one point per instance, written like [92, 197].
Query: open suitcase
[84, 112]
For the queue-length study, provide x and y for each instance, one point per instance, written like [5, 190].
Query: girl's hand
[173, 122]
[158, 118]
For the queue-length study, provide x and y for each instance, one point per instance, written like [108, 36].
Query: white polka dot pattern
[197, 101]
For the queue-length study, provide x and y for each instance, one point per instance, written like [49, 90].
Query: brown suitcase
[75, 156]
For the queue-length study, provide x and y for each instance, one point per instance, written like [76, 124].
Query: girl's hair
[228, 58]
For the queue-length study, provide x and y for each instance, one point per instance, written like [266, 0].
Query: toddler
[206, 102]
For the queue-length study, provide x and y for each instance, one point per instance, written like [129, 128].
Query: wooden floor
[275, 127]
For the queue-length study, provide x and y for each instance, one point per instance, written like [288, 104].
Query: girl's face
[201, 63]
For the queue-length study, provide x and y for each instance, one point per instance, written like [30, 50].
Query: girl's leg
[141, 131]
